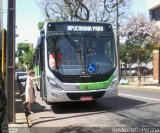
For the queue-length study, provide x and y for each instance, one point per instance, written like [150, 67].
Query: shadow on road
[116, 103]
[71, 129]
[88, 109]
[36, 107]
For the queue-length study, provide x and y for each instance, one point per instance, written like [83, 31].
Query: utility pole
[10, 61]
[117, 23]
[117, 33]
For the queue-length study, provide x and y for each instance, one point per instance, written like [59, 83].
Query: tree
[25, 56]
[64, 9]
[154, 40]
[84, 10]
[137, 32]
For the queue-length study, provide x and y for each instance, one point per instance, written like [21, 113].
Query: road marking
[139, 97]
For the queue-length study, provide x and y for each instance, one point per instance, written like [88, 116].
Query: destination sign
[85, 28]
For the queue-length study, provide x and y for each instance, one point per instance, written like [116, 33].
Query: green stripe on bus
[96, 85]
[36, 69]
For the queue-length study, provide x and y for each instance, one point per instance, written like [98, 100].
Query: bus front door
[43, 91]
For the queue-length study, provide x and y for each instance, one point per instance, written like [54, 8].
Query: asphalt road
[132, 108]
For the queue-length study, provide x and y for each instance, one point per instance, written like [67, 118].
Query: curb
[151, 87]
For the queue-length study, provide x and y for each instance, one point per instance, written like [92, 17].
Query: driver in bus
[55, 58]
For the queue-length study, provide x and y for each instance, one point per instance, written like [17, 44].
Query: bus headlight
[53, 84]
[114, 81]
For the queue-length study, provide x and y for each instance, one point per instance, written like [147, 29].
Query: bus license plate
[86, 98]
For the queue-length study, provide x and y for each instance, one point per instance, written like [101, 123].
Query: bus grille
[76, 96]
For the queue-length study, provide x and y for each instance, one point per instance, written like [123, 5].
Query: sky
[139, 6]
[28, 14]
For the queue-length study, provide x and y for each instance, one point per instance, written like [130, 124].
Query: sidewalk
[21, 124]
[147, 84]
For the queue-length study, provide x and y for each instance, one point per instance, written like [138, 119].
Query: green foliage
[28, 58]
[20, 66]
[41, 24]
[123, 53]
[21, 49]
[25, 56]
[130, 54]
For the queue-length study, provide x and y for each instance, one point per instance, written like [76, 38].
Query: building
[154, 15]
[154, 10]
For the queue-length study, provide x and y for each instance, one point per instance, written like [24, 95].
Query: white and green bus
[77, 61]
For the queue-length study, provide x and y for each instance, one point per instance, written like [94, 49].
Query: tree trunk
[139, 74]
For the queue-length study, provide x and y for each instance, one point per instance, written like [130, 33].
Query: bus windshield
[81, 55]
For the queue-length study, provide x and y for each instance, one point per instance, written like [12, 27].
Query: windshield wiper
[72, 42]
[93, 45]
